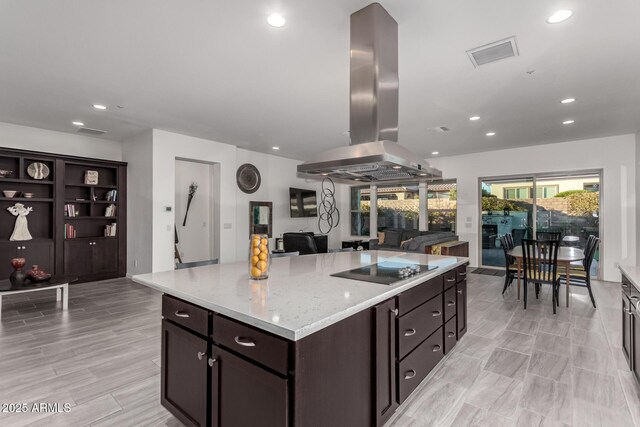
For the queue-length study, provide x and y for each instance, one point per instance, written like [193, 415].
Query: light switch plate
[227, 226]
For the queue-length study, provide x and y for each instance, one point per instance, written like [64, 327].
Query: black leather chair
[300, 242]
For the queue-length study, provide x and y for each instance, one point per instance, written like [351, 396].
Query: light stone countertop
[633, 274]
[299, 297]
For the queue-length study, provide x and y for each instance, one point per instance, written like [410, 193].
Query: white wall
[35, 139]
[278, 174]
[138, 152]
[167, 147]
[637, 206]
[196, 236]
[614, 155]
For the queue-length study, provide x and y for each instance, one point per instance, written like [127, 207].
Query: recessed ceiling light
[490, 133]
[567, 101]
[275, 148]
[568, 122]
[474, 118]
[77, 123]
[435, 153]
[276, 20]
[99, 107]
[559, 16]
[397, 167]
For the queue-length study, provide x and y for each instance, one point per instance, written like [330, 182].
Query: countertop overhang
[633, 274]
[300, 296]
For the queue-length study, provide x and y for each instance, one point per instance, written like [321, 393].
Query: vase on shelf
[18, 276]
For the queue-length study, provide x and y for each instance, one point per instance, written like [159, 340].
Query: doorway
[196, 212]
[567, 203]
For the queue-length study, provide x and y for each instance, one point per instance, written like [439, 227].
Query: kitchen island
[304, 348]
[630, 287]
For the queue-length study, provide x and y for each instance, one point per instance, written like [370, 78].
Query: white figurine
[21, 229]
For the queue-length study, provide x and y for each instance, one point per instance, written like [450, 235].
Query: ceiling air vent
[92, 132]
[493, 52]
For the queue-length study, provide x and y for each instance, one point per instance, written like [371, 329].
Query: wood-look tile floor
[514, 367]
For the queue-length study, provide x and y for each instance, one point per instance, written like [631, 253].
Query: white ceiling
[216, 70]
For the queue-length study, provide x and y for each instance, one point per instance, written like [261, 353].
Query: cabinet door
[385, 353]
[461, 314]
[243, 394]
[627, 331]
[635, 342]
[78, 257]
[8, 251]
[105, 256]
[183, 389]
[40, 254]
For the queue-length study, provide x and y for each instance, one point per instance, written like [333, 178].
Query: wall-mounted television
[303, 203]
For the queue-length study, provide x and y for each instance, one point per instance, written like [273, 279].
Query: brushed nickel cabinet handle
[181, 314]
[395, 311]
[451, 303]
[409, 332]
[451, 334]
[244, 342]
[212, 361]
[201, 355]
[460, 291]
[409, 374]
[463, 273]
[436, 313]
[453, 279]
[436, 348]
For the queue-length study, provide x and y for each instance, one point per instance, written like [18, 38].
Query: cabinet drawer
[188, 315]
[417, 365]
[450, 333]
[450, 303]
[423, 292]
[449, 279]
[417, 325]
[257, 345]
[461, 273]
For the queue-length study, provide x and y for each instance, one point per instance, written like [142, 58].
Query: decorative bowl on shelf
[27, 195]
[4, 173]
[9, 193]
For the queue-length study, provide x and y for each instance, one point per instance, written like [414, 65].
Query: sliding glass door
[566, 203]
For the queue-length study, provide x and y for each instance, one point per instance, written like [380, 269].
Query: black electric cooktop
[385, 273]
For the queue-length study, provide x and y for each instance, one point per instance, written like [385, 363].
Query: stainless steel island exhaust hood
[373, 154]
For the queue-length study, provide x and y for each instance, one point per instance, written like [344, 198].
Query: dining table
[566, 255]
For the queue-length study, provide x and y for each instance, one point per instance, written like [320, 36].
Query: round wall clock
[248, 178]
[38, 170]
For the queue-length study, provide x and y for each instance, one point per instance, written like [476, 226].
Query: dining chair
[548, 235]
[581, 275]
[511, 268]
[540, 266]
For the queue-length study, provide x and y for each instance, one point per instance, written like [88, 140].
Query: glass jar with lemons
[259, 256]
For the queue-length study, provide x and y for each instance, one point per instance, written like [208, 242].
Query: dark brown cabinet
[461, 302]
[220, 372]
[34, 252]
[184, 374]
[243, 394]
[88, 257]
[627, 329]
[385, 365]
[66, 208]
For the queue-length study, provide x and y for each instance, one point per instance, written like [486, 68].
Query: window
[546, 191]
[360, 208]
[591, 186]
[517, 193]
[442, 206]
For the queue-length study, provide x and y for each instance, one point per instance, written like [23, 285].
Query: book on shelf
[110, 211]
[110, 230]
[70, 211]
[111, 196]
[69, 231]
